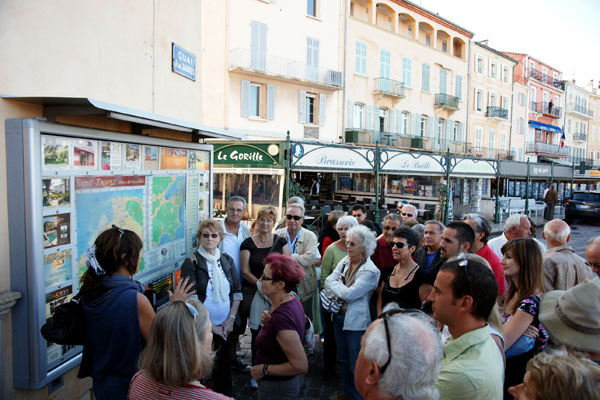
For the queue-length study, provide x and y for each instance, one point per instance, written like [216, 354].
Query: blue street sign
[184, 63]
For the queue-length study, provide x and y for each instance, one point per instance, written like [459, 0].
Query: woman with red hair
[280, 356]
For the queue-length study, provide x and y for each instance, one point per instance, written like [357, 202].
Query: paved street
[316, 388]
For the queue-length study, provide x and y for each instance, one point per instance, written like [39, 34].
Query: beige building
[490, 113]
[593, 143]
[578, 117]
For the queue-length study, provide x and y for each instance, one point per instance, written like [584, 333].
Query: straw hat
[572, 317]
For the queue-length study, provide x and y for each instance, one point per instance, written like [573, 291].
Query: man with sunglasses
[359, 212]
[463, 296]
[303, 245]
[409, 213]
[382, 256]
[592, 253]
[399, 357]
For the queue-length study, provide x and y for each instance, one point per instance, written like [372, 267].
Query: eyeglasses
[357, 215]
[351, 244]
[387, 315]
[463, 261]
[207, 235]
[191, 308]
[294, 217]
[263, 277]
[400, 245]
[387, 228]
[235, 210]
[407, 215]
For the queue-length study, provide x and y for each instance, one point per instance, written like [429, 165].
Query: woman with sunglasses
[253, 251]
[523, 268]
[117, 316]
[405, 283]
[219, 289]
[333, 255]
[172, 369]
[280, 357]
[353, 282]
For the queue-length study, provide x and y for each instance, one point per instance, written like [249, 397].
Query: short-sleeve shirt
[144, 388]
[406, 296]
[258, 254]
[288, 316]
[531, 305]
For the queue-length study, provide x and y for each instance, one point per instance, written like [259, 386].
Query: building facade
[518, 144]
[578, 116]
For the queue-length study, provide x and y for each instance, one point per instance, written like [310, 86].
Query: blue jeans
[348, 347]
[112, 387]
[521, 346]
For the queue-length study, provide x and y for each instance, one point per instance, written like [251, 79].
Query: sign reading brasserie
[258, 155]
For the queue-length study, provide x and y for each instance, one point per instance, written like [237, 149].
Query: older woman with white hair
[353, 282]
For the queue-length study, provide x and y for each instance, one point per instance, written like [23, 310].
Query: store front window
[422, 186]
[259, 190]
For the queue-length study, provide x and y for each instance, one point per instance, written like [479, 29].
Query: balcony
[284, 69]
[496, 112]
[488, 152]
[388, 87]
[580, 136]
[446, 101]
[367, 136]
[546, 108]
[579, 109]
[547, 149]
[545, 78]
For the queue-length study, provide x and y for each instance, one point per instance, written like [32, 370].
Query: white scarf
[213, 264]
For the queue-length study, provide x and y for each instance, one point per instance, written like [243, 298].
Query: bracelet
[266, 369]
[232, 317]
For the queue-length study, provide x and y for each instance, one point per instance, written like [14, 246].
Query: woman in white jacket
[353, 281]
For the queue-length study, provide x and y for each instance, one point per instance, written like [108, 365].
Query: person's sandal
[240, 365]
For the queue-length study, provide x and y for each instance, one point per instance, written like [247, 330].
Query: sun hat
[572, 317]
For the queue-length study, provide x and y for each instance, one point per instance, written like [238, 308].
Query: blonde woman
[178, 355]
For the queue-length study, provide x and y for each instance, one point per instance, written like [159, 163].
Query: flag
[562, 140]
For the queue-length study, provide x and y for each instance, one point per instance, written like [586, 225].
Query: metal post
[497, 214]
[572, 179]
[448, 186]
[552, 172]
[376, 160]
[287, 161]
[527, 190]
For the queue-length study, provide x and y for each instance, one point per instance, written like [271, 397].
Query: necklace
[409, 273]
[263, 241]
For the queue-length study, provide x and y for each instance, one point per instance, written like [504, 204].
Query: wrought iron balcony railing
[580, 136]
[547, 108]
[285, 68]
[496, 112]
[446, 101]
[389, 87]
[578, 108]
[368, 136]
[547, 148]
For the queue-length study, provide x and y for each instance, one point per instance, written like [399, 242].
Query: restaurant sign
[254, 155]
[392, 161]
[468, 166]
[309, 156]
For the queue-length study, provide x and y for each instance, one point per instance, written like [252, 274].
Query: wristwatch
[232, 317]
[266, 369]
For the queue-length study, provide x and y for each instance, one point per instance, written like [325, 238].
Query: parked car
[582, 205]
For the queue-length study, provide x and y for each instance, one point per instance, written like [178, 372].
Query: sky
[563, 34]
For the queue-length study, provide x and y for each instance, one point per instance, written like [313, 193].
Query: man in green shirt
[463, 295]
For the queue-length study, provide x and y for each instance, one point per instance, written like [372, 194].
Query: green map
[168, 209]
[98, 211]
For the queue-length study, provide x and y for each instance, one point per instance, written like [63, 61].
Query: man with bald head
[592, 253]
[563, 269]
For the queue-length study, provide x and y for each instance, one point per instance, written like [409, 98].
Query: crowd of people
[407, 310]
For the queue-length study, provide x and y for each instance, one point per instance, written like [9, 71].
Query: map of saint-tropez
[168, 209]
[104, 201]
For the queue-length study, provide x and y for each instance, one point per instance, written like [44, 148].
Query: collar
[239, 232]
[565, 247]
[455, 347]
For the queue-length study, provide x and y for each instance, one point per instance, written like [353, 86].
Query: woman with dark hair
[117, 316]
[280, 357]
[220, 290]
[405, 283]
[172, 369]
[523, 268]
[329, 234]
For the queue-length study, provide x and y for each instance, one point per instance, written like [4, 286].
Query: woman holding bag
[353, 282]
[219, 289]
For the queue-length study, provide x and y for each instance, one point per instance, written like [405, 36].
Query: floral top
[531, 305]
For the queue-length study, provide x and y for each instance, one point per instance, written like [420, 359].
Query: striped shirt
[144, 388]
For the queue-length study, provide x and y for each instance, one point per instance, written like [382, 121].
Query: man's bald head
[592, 253]
[557, 233]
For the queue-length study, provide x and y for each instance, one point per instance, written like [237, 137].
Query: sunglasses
[386, 315]
[263, 277]
[207, 235]
[407, 215]
[294, 217]
[387, 228]
[191, 308]
[401, 245]
[121, 231]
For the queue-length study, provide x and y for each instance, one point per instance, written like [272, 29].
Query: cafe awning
[544, 127]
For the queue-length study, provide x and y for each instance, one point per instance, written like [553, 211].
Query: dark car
[582, 205]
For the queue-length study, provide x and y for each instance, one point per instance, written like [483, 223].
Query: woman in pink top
[177, 356]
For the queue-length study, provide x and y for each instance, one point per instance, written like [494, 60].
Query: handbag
[66, 326]
[330, 302]
[308, 341]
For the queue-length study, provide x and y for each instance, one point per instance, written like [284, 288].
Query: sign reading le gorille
[247, 155]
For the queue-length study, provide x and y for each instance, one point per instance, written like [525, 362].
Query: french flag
[562, 140]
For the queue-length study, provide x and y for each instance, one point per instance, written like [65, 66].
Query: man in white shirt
[517, 226]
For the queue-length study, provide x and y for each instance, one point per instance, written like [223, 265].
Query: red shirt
[382, 257]
[144, 388]
[497, 269]
[326, 242]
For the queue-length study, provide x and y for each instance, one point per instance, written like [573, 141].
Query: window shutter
[449, 132]
[436, 133]
[458, 89]
[368, 117]
[399, 125]
[431, 132]
[413, 124]
[322, 108]
[393, 121]
[462, 131]
[270, 102]
[350, 116]
[245, 100]
[376, 118]
[301, 106]
[443, 81]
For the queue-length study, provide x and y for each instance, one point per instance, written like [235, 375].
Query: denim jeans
[285, 390]
[112, 387]
[348, 347]
[521, 346]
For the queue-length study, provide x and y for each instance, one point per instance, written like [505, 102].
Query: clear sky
[563, 34]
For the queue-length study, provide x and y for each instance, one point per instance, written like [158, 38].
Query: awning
[545, 127]
[55, 106]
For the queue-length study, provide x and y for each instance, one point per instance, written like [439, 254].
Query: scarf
[213, 265]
